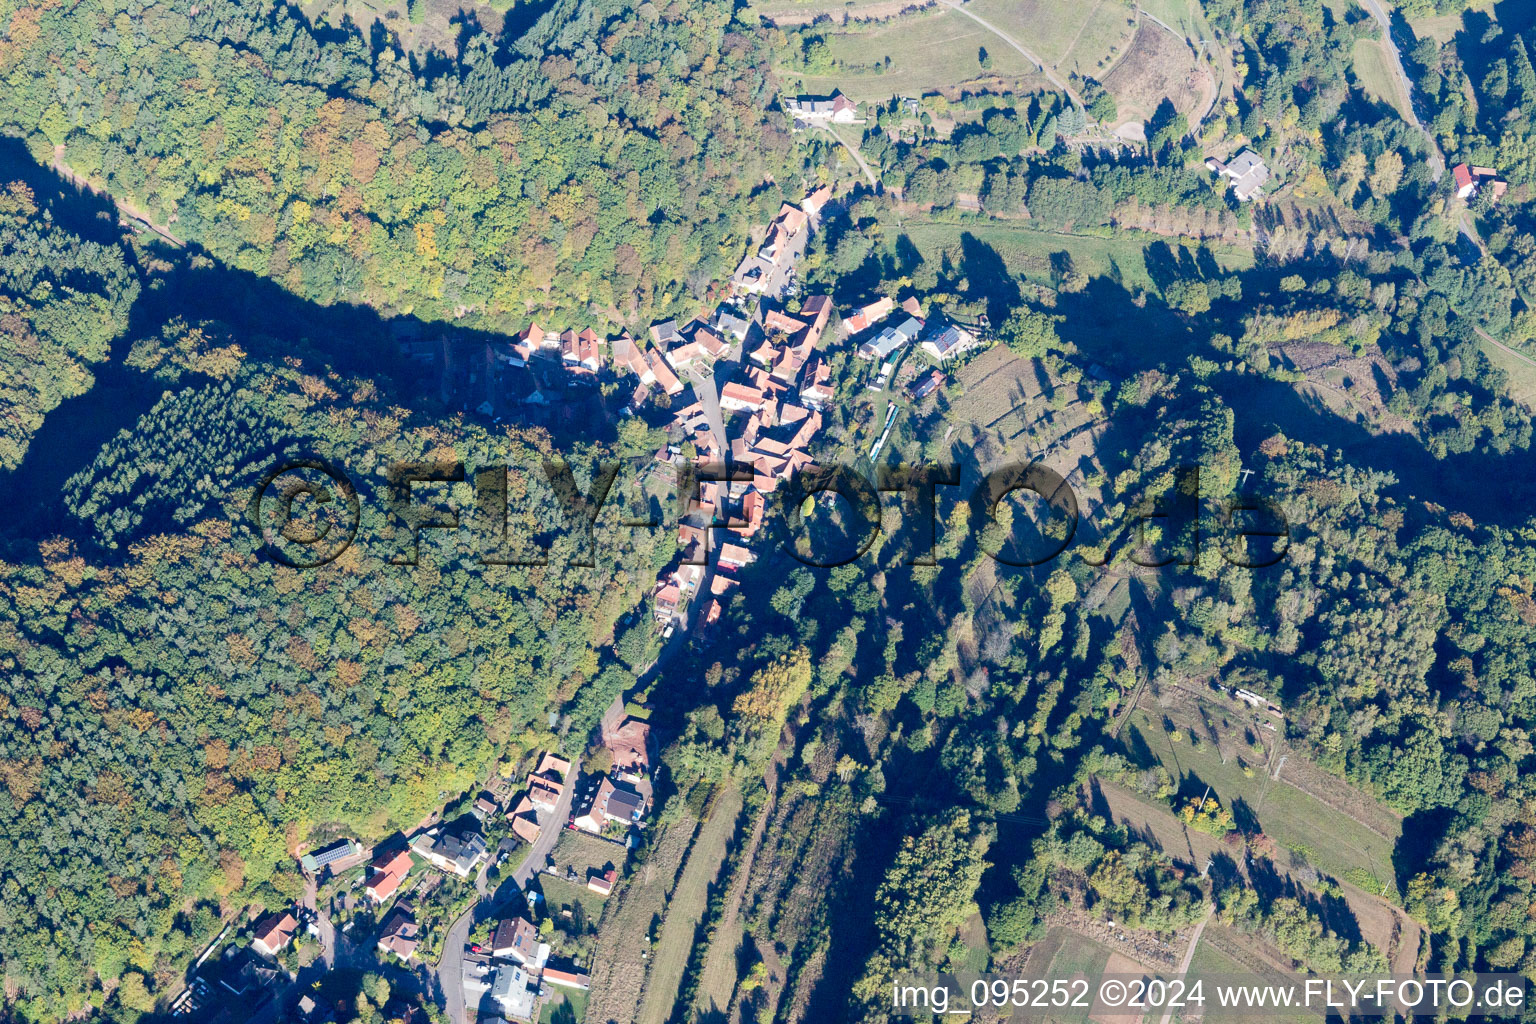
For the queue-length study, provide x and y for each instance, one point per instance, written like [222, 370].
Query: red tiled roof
[277, 930]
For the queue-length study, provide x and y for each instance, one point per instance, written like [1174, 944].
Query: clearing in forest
[1222, 743]
[1035, 254]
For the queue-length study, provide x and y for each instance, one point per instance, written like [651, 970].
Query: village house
[581, 352]
[733, 556]
[543, 794]
[553, 768]
[783, 323]
[667, 599]
[728, 321]
[816, 383]
[753, 507]
[862, 319]
[1470, 181]
[602, 882]
[1246, 171]
[767, 270]
[819, 309]
[567, 979]
[951, 341]
[326, 859]
[782, 233]
[517, 939]
[836, 108]
[686, 578]
[515, 991]
[529, 340]
[456, 852]
[719, 586]
[925, 385]
[273, 933]
[628, 357]
[817, 200]
[702, 349]
[484, 808]
[735, 397]
[665, 334]
[611, 804]
[400, 934]
[387, 875]
[883, 345]
[662, 374]
[525, 823]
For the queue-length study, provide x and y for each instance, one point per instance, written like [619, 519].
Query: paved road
[707, 389]
[450, 969]
[1437, 159]
[1036, 61]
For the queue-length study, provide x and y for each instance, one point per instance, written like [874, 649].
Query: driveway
[858, 157]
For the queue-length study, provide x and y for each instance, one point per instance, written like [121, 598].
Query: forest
[603, 165]
[182, 711]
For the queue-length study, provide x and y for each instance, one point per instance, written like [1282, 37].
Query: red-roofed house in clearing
[274, 933]
[532, 335]
[1465, 186]
[602, 882]
[387, 876]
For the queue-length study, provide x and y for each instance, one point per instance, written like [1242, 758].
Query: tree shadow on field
[987, 278]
